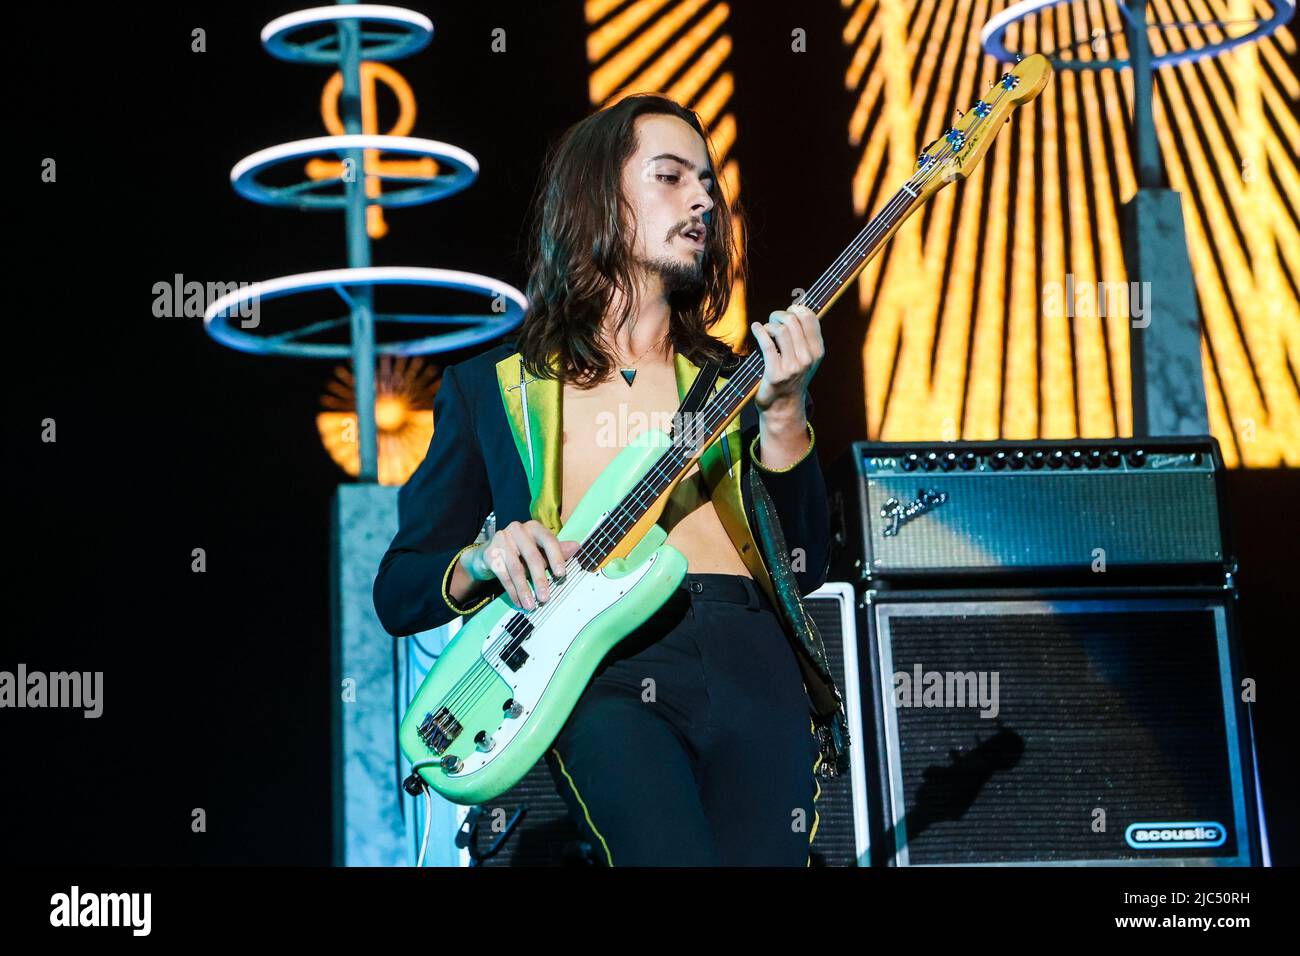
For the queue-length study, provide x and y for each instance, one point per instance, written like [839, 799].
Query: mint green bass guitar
[505, 685]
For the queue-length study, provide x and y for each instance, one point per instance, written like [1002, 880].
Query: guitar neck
[957, 152]
[711, 420]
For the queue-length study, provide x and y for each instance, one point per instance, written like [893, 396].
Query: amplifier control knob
[1056, 459]
[1018, 459]
[930, 461]
[1136, 458]
[1037, 459]
[998, 460]
[910, 462]
[1094, 458]
[968, 461]
[1112, 458]
[948, 461]
[1075, 459]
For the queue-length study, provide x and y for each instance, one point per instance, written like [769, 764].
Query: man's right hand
[518, 554]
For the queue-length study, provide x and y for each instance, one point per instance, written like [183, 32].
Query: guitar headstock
[959, 150]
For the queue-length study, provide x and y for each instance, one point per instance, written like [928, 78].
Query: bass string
[609, 533]
[606, 535]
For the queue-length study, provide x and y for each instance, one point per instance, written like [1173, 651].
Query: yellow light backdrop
[960, 344]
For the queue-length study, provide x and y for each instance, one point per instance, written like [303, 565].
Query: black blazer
[476, 465]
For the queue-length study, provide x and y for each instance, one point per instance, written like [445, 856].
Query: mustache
[687, 224]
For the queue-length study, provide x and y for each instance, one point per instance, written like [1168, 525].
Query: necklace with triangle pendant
[628, 374]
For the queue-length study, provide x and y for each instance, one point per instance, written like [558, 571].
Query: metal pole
[1146, 149]
[362, 311]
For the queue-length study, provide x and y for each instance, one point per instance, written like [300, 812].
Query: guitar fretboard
[710, 420]
[689, 442]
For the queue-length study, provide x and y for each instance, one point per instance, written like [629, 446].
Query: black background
[217, 690]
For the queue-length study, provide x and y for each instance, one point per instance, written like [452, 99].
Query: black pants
[693, 745]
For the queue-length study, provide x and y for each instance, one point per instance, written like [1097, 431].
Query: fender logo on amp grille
[898, 514]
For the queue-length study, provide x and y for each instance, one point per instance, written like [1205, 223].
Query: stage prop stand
[375, 823]
[369, 822]
[1168, 382]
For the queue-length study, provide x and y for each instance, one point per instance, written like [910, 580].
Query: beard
[677, 276]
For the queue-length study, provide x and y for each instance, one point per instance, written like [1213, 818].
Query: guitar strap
[829, 717]
[700, 390]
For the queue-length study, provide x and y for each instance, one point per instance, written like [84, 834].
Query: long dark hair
[581, 253]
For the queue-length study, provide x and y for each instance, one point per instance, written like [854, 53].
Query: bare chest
[600, 422]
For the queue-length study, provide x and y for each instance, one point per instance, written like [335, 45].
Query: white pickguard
[566, 617]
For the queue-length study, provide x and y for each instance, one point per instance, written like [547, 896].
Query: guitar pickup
[517, 660]
[513, 653]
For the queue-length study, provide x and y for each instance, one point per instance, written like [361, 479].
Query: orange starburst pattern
[404, 391]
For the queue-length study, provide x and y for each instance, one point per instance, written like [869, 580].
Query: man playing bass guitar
[694, 744]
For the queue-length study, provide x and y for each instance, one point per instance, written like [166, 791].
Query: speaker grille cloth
[1122, 712]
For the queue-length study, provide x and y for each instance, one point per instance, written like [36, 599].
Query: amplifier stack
[1046, 653]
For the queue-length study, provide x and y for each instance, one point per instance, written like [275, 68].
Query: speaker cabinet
[843, 831]
[1076, 727]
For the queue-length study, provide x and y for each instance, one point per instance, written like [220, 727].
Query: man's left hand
[792, 349]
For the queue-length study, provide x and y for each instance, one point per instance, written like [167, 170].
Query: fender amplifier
[1050, 509]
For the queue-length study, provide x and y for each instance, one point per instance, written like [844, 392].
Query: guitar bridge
[438, 730]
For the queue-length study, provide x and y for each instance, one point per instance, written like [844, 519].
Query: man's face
[670, 185]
